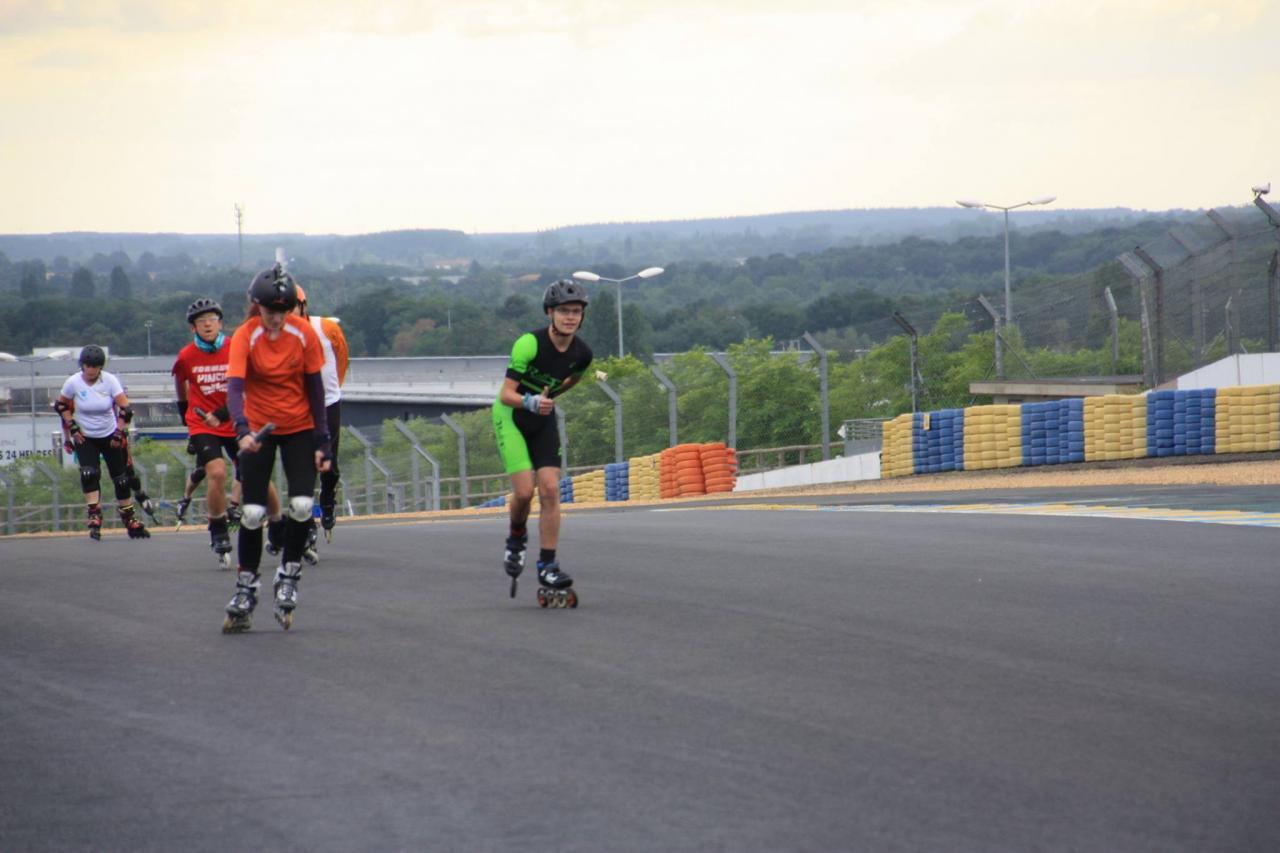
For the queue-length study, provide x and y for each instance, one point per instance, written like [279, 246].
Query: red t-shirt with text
[206, 376]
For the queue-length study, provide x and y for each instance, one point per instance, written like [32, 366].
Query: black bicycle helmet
[92, 356]
[563, 292]
[275, 289]
[203, 305]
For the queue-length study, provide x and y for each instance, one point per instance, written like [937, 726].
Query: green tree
[121, 287]
[82, 286]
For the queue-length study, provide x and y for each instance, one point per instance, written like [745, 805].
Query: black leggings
[297, 456]
[89, 455]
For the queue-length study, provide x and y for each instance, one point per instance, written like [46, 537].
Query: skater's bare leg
[216, 473]
[549, 513]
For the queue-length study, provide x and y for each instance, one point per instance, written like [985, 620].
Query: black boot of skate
[275, 536]
[95, 521]
[148, 505]
[183, 506]
[309, 552]
[286, 588]
[554, 586]
[220, 540]
[240, 609]
[513, 562]
[132, 525]
[233, 516]
[327, 521]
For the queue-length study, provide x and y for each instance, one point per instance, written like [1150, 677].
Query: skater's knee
[549, 494]
[90, 478]
[300, 507]
[123, 485]
[253, 516]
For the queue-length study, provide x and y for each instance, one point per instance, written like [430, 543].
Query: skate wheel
[572, 598]
[234, 625]
[311, 557]
[514, 584]
[543, 601]
[285, 620]
[225, 561]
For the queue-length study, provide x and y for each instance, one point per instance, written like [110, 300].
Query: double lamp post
[1008, 296]
[590, 276]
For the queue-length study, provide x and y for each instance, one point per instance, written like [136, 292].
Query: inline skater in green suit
[544, 364]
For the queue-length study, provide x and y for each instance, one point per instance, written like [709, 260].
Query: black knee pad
[90, 478]
[121, 484]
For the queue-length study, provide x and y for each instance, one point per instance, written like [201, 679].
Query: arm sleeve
[235, 404]
[314, 383]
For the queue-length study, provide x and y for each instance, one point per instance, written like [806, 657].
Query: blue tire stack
[1201, 421]
[1036, 419]
[1161, 423]
[566, 490]
[919, 444]
[1071, 430]
[617, 481]
[500, 500]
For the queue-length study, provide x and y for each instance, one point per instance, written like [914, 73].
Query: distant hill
[622, 242]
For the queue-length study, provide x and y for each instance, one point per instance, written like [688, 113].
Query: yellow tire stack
[589, 487]
[896, 458]
[992, 437]
[644, 473]
[1248, 419]
[1115, 427]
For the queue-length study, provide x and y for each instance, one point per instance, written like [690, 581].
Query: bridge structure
[376, 389]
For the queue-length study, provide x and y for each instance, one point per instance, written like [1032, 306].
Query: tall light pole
[147, 323]
[645, 273]
[30, 361]
[1008, 294]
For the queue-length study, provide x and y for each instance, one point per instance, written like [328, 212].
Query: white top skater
[95, 404]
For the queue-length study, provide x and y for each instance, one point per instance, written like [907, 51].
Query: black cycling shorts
[208, 447]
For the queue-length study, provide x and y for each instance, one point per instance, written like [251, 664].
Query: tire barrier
[1242, 419]
[992, 437]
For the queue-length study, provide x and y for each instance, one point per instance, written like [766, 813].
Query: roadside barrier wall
[1242, 419]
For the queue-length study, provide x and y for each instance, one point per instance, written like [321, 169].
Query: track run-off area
[1092, 668]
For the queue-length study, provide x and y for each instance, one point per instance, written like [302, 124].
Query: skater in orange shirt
[274, 378]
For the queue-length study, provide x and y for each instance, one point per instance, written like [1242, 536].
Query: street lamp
[30, 361]
[590, 276]
[1008, 297]
[147, 323]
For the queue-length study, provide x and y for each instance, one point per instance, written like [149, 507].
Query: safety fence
[1241, 419]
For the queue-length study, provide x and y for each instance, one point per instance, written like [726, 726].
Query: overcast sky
[341, 116]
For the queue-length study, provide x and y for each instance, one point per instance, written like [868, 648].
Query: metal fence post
[998, 340]
[617, 418]
[1139, 272]
[911, 331]
[57, 500]
[369, 464]
[564, 439]
[1159, 312]
[1115, 328]
[671, 401]
[462, 458]
[419, 450]
[733, 397]
[10, 527]
[824, 391]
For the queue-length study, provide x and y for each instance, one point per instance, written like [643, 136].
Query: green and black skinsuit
[529, 441]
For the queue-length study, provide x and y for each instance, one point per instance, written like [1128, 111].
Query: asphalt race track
[801, 675]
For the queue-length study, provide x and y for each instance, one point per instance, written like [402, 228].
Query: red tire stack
[719, 468]
[688, 468]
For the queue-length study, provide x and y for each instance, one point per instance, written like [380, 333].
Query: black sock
[547, 555]
[518, 532]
